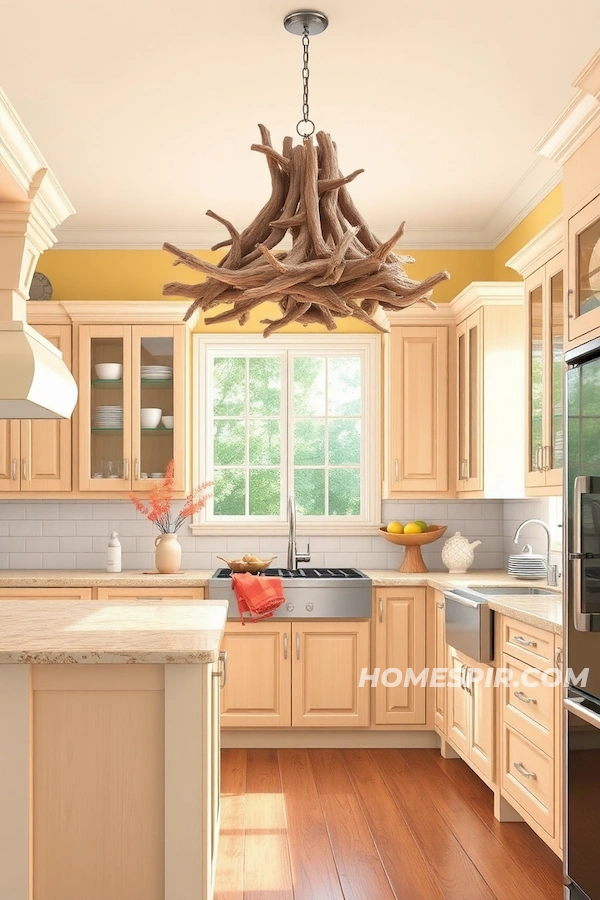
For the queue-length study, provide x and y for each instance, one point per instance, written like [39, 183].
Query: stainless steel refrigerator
[582, 623]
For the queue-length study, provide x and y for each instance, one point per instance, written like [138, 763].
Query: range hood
[35, 383]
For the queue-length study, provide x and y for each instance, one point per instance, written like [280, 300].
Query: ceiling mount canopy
[336, 266]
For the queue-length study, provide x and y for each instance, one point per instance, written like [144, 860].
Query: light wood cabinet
[441, 662]
[149, 593]
[417, 445]
[531, 732]
[257, 691]
[35, 454]
[471, 710]
[119, 449]
[36, 593]
[544, 292]
[301, 673]
[400, 652]
[488, 388]
[541, 263]
[583, 266]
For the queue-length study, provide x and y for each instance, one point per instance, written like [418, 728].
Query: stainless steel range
[310, 593]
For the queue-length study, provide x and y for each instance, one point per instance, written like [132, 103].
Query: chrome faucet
[551, 571]
[294, 558]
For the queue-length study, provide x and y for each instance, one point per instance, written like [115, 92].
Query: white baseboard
[295, 738]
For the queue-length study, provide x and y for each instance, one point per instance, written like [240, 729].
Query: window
[292, 415]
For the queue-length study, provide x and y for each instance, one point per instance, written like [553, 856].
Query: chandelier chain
[305, 126]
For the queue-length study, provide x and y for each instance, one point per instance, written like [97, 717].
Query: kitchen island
[109, 756]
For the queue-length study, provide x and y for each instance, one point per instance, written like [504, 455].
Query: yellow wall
[544, 213]
[140, 274]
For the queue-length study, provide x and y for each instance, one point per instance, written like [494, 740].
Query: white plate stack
[108, 417]
[157, 373]
[527, 564]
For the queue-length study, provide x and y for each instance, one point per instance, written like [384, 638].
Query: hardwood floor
[370, 825]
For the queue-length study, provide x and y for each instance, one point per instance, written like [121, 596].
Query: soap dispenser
[114, 553]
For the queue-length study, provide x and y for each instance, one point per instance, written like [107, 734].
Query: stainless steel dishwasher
[469, 624]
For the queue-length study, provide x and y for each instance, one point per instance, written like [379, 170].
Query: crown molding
[486, 293]
[417, 314]
[539, 249]
[129, 312]
[589, 78]
[28, 169]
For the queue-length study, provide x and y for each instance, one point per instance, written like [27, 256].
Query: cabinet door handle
[24, 469]
[523, 642]
[136, 469]
[468, 672]
[222, 673]
[380, 610]
[440, 605]
[538, 459]
[523, 771]
[462, 677]
[558, 658]
[14, 470]
[285, 645]
[461, 470]
[467, 470]
[524, 698]
[297, 645]
[548, 460]
[397, 470]
[125, 469]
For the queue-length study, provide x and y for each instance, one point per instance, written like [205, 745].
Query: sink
[532, 591]
[310, 593]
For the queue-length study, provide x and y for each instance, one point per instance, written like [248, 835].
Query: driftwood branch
[336, 266]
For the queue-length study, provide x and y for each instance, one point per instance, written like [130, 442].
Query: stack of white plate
[108, 417]
[157, 373]
[527, 564]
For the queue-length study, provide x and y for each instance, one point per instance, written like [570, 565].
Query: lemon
[395, 528]
[412, 528]
[422, 524]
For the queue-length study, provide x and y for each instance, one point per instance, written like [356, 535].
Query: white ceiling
[146, 110]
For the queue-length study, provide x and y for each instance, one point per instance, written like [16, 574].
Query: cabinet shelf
[118, 382]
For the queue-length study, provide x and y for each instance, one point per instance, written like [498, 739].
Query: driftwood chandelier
[336, 267]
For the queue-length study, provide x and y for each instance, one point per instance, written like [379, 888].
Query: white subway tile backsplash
[76, 510]
[42, 544]
[24, 560]
[58, 527]
[25, 526]
[58, 561]
[76, 544]
[12, 544]
[75, 534]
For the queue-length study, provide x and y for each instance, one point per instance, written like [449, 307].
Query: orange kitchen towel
[257, 597]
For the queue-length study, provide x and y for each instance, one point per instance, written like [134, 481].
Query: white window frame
[368, 346]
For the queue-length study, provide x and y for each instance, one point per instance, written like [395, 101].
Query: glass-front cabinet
[584, 273]
[544, 291]
[469, 357]
[132, 406]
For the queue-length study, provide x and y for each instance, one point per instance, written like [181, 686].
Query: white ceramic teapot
[458, 553]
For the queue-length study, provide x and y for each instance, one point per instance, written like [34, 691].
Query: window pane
[344, 492]
[264, 386]
[230, 442]
[229, 386]
[344, 442]
[265, 492]
[265, 442]
[309, 442]
[309, 490]
[230, 492]
[309, 386]
[344, 386]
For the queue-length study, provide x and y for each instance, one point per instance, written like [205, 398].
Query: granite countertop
[136, 631]
[545, 612]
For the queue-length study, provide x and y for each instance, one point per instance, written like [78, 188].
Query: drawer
[531, 645]
[529, 707]
[528, 778]
[53, 593]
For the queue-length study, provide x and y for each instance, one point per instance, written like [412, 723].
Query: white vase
[167, 556]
